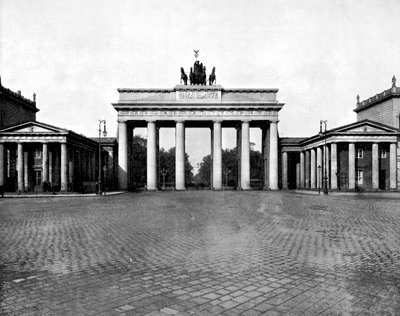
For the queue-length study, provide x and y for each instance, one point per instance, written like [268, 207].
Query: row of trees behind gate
[202, 179]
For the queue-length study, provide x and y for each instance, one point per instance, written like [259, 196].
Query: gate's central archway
[199, 106]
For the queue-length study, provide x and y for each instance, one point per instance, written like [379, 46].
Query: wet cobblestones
[200, 253]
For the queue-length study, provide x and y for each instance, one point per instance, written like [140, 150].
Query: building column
[64, 167]
[217, 156]
[325, 155]
[212, 157]
[45, 163]
[51, 167]
[122, 156]
[375, 166]
[180, 156]
[320, 171]
[71, 163]
[245, 157]
[307, 171]
[238, 153]
[273, 156]
[266, 147]
[297, 175]
[151, 156]
[352, 167]
[285, 170]
[20, 167]
[313, 168]
[334, 176]
[302, 167]
[26, 171]
[392, 166]
[2, 165]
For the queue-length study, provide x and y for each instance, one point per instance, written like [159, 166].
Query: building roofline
[18, 98]
[393, 92]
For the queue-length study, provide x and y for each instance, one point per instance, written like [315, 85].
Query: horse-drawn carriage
[198, 75]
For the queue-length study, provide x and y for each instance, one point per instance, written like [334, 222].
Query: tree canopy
[138, 162]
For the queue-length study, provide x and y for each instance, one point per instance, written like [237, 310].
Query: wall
[382, 113]
[13, 113]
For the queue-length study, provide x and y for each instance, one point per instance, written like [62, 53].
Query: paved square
[200, 253]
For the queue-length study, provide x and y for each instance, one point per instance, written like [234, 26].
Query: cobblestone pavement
[200, 253]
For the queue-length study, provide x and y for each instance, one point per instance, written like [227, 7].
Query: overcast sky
[74, 54]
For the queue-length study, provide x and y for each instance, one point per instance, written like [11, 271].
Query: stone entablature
[198, 103]
[206, 94]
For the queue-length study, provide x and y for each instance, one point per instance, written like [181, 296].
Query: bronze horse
[184, 76]
[212, 78]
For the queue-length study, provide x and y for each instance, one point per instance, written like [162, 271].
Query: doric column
[26, 171]
[212, 156]
[71, 163]
[51, 167]
[284, 170]
[151, 156]
[334, 176]
[307, 171]
[313, 168]
[122, 156]
[302, 169]
[273, 156]
[2, 165]
[392, 166]
[20, 167]
[375, 166]
[325, 157]
[265, 141]
[245, 157]
[45, 163]
[217, 156]
[352, 167]
[239, 153]
[320, 171]
[64, 167]
[180, 156]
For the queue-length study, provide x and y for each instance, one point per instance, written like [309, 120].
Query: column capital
[179, 121]
[151, 121]
[217, 121]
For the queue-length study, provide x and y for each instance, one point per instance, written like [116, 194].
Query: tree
[230, 168]
[138, 164]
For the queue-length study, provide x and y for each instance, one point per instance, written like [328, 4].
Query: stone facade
[199, 106]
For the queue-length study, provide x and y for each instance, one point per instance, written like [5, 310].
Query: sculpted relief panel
[195, 113]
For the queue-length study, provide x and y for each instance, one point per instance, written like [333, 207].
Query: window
[38, 154]
[359, 153]
[383, 153]
[359, 177]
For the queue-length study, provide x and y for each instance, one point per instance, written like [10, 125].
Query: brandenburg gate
[209, 106]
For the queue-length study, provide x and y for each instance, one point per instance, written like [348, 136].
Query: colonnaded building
[363, 155]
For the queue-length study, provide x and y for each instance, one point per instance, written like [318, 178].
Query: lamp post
[226, 172]
[319, 179]
[163, 173]
[104, 134]
[325, 179]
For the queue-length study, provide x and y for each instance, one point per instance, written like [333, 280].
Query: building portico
[199, 106]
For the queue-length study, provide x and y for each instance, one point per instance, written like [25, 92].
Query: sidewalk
[380, 194]
[57, 194]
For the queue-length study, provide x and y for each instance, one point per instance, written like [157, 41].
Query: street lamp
[226, 172]
[325, 183]
[163, 173]
[319, 179]
[104, 134]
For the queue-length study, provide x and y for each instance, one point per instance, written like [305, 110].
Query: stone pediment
[34, 127]
[365, 127]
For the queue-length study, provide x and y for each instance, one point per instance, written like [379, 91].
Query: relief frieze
[195, 113]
